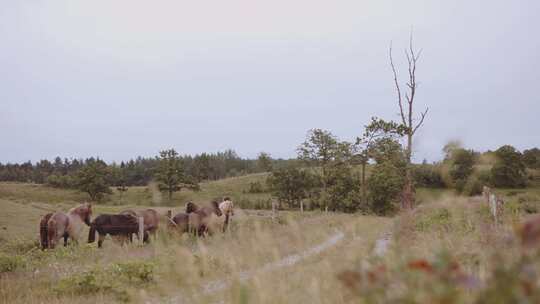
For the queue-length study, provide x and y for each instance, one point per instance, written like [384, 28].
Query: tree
[170, 173]
[264, 162]
[376, 130]
[388, 175]
[509, 169]
[531, 158]
[120, 178]
[291, 185]
[406, 111]
[92, 178]
[321, 148]
[462, 167]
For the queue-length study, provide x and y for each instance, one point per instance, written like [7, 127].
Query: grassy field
[448, 250]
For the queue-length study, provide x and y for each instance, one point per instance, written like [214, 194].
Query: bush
[255, 187]
[462, 167]
[385, 184]
[509, 170]
[135, 272]
[108, 280]
[473, 186]
[10, 263]
[428, 176]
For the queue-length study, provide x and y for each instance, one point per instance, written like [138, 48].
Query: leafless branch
[400, 102]
[423, 115]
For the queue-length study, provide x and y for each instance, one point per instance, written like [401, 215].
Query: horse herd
[196, 220]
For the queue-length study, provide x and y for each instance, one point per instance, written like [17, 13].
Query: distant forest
[141, 170]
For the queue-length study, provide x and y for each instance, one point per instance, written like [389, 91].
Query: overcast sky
[117, 79]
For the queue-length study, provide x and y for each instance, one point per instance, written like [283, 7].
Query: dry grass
[183, 266]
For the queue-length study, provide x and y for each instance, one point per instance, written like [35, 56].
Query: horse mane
[81, 210]
[191, 207]
[84, 212]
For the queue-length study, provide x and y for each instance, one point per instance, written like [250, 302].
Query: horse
[150, 219]
[199, 217]
[227, 208]
[114, 224]
[68, 224]
[180, 221]
[43, 235]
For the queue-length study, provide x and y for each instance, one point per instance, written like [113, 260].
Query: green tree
[462, 167]
[92, 178]
[120, 178]
[291, 185]
[531, 158]
[170, 173]
[376, 130]
[509, 169]
[388, 176]
[264, 162]
[322, 149]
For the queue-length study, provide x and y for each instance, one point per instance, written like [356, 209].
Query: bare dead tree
[406, 109]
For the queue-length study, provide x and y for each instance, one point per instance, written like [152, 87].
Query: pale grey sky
[119, 79]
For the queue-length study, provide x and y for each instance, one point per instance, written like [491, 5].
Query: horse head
[85, 212]
[191, 207]
[216, 210]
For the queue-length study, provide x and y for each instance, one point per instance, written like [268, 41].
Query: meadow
[310, 257]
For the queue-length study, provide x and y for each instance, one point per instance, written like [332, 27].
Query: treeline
[331, 180]
[467, 171]
[62, 172]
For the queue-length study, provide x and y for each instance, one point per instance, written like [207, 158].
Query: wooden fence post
[273, 211]
[141, 230]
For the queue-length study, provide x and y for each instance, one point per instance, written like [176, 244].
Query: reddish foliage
[421, 265]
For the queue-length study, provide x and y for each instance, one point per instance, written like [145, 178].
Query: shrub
[136, 271]
[428, 176]
[108, 280]
[10, 263]
[255, 187]
[385, 184]
[462, 167]
[473, 186]
[509, 170]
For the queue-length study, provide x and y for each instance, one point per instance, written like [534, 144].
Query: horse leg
[65, 239]
[101, 238]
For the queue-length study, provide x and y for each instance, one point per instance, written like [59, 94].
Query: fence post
[141, 230]
[302, 206]
[273, 211]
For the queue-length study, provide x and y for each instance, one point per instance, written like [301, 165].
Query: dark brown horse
[150, 219]
[114, 224]
[70, 224]
[199, 217]
[180, 222]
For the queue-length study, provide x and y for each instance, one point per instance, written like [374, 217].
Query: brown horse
[150, 219]
[199, 217]
[68, 224]
[180, 221]
[43, 235]
[114, 225]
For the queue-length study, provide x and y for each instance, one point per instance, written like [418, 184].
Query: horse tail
[51, 232]
[92, 233]
[43, 235]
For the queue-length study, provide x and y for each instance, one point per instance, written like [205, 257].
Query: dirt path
[290, 260]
